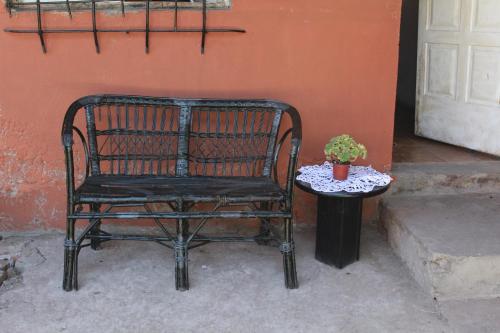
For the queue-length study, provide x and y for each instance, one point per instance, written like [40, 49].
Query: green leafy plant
[344, 149]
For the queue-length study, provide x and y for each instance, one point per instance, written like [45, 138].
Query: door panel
[484, 75]
[486, 16]
[458, 78]
[441, 63]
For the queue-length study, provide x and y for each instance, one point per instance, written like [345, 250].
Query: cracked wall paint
[29, 178]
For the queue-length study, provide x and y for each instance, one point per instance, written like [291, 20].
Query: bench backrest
[132, 135]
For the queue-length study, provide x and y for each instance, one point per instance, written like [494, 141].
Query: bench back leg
[95, 244]
[264, 229]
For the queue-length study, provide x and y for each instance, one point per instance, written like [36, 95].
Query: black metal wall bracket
[147, 30]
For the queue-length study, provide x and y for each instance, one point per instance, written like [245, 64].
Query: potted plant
[343, 150]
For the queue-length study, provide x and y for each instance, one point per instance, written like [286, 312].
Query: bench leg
[181, 267]
[264, 223]
[288, 250]
[264, 229]
[69, 275]
[95, 244]
[181, 256]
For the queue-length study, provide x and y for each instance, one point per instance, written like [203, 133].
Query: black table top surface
[376, 191]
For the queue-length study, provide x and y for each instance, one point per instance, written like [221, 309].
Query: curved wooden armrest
[277, 153]
[85, 149]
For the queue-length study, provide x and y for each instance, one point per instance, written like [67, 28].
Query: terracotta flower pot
[341, 171]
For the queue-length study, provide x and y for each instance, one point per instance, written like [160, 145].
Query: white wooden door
[458, 79]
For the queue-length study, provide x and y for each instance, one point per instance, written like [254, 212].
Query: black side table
[338, 227]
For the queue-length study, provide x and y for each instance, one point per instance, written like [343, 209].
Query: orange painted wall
[335, 60]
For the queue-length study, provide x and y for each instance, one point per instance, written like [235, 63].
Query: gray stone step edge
[443, 276]
[445, 178]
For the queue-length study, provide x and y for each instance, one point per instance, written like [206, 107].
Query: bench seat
[107, 188]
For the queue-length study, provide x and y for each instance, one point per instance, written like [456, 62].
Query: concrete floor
[129, 287]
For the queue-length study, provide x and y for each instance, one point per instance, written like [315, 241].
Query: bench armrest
[67, 131]
[70, 168]
[296, 138]
[85, 149]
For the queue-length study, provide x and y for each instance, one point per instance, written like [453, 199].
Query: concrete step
[446, 178]
[451, 243]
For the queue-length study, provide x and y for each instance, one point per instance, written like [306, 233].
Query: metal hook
[147, 26]
[176, 13]
[39, 24]
[8, 4]
[204, 27]
[94, 27]
[68, 7]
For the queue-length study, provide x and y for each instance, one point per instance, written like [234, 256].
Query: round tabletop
[377, 190]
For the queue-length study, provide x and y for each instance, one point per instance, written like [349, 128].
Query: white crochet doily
[361, 179]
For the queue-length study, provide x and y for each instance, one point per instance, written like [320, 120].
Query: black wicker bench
[183, 160]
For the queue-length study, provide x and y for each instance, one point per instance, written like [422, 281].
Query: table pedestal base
[338, 230]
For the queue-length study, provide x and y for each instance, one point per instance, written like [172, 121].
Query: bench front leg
[69, 275]
[181, 252]
[181, 266]
[288, 250]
